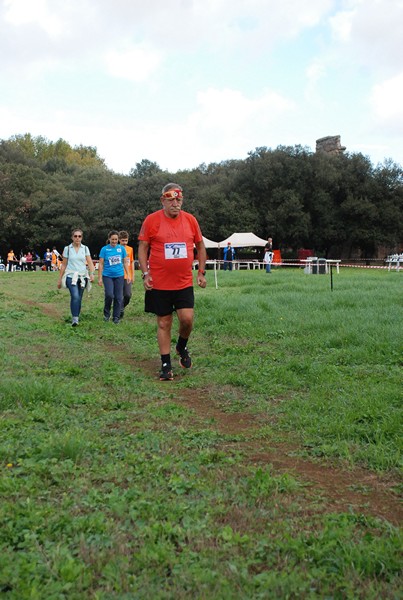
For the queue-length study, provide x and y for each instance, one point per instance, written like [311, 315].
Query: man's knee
[185, 320]
[165, 323]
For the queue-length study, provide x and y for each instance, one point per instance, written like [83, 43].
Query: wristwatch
[144, 274]
[202, 272]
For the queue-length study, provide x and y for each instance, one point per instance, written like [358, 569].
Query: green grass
[114, 485]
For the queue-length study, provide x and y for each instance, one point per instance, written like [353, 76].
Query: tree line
[339, 206]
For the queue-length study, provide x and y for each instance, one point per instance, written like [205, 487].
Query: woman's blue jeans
[113, 287]
[76, 295]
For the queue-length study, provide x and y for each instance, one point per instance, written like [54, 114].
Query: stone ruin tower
[330, 144]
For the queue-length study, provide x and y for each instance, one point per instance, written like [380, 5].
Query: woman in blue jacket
[112, 267]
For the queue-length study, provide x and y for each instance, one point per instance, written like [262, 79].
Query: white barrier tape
[340, 265]
[303, 265]
[366, 266]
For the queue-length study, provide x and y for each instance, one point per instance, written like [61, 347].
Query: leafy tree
[388, 196]
[145, 168]
[289, 220]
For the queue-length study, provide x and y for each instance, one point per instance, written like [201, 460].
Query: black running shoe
[185, 361]
[166, 372]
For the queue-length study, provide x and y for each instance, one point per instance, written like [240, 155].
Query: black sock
[166, 359]
[181, 344]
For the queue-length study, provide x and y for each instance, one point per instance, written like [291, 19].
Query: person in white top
[79, 270]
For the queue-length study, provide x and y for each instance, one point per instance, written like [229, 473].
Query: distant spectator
[268, 258]
[47, 257]
[12, 261]
[29, 259]
[55, 259]
[268, 254]
[229, 255]
[35, 260]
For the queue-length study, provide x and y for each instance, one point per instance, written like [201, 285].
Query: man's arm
[201, 257]
[142, 255]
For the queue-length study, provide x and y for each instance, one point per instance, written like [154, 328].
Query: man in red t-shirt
[166, 242]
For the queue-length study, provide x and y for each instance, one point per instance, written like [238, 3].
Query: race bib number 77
[175, 250]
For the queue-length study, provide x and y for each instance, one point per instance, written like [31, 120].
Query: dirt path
[342, 488]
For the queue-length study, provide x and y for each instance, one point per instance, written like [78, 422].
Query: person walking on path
[112, 267]
[127, 286]
[78, 268]
[166, 245]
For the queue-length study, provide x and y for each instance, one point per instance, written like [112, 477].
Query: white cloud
[230, 110]
[341, 25]
[387, 103]
[368, 33]
[23, 12]
[135, 63]
[314, 73]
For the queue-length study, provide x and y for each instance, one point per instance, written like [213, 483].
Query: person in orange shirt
[12, 260]
[166, 242]
[56, 259]
[127, 287]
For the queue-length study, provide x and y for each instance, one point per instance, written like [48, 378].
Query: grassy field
[271, 470]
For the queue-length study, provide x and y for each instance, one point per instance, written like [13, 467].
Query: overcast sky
[185, 82]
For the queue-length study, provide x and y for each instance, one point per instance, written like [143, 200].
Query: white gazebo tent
[243, 240]
[209, 243]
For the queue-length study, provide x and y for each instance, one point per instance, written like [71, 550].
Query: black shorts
[165, 302]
